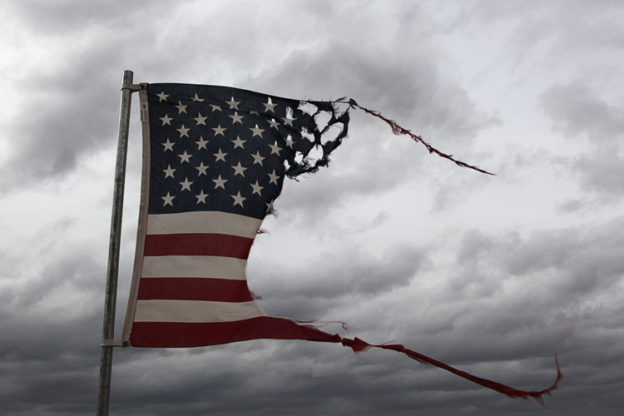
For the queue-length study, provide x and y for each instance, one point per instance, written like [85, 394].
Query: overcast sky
[492, 274]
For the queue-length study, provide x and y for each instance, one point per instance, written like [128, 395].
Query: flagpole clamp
[111, 343]
[134, 87]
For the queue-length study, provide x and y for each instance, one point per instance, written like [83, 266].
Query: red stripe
[183, 334]
[197, 245]
[188, 288]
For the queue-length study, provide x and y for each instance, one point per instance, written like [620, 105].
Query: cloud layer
[494, 275]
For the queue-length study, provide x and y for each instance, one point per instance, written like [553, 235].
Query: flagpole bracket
[134, 87]
[111, 343]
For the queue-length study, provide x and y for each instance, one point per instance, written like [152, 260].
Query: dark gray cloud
[565, 28]
[48, 351]
[455, 188]
[73, 101]
[72, 108]
[571, 262]
[602, 171]
[579, 113]
[576, 110]
[549, 38]
[332, 278]
[414, 88]
[552, 284]
[73, 18]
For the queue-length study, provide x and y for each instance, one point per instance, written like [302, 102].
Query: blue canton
[227, 149]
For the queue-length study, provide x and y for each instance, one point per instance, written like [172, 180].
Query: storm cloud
[494, 275]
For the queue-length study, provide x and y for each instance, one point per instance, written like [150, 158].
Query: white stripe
[203, 222]
[194, 311]
[194, 266]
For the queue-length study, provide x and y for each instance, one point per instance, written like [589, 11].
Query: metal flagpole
[108, 330]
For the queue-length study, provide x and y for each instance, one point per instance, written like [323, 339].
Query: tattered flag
[214, 161]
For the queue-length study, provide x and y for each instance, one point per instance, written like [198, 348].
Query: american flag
[215, 159]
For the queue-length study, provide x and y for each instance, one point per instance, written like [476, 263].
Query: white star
[239, 170]
[181, 107]
[256, 188]
[238, 142]
[166, 120]
[289, 141]
[162, 96]
[200, 119]
[201, 143]
[233, 104]
[236, 118]
[288, 120]
[167, 200]
[219, 182]
[220, 156]
[257, 158]
[201, 197]
[274, 123]
[269, 206]
[186, 184]
[168, 145]
[275, 148]
[197, 99]
[274, 177]
[201, 169]
[269, 106]
[185, 157]
[257, 131]
[215, 107]
[238, 199]
[183, 131]
[169, 171]
[219, 130]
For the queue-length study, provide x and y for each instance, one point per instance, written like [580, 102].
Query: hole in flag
[322, 119]
[307, 107]
[316, 153]
[332, 133]
[298, 158]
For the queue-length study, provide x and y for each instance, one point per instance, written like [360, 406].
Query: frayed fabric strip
[287, 329]
[358, 345]
[398, 130]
